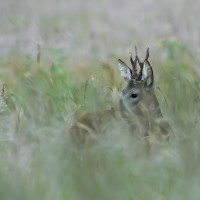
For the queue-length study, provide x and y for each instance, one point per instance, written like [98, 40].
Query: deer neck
[149, 106]
[129, 113]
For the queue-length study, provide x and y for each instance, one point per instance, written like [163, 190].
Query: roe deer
[138, 105]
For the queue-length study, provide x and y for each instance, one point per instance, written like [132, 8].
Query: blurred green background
[59, 60]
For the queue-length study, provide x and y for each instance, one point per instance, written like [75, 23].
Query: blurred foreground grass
[38, 160]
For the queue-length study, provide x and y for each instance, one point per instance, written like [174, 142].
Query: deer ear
[147, 75]
[125, 71]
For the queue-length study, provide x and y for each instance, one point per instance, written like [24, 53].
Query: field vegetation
[48, 85]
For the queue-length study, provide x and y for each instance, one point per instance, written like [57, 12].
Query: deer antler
[139, 76]
[134, 63]
[147, 54]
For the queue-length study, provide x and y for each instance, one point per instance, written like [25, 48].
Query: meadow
[51, 86]
[38, 160]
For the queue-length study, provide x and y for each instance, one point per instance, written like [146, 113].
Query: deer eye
[134, 96]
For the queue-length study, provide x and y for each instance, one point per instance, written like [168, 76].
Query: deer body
[138, 106]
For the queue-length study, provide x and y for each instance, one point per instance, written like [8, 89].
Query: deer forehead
[132, 86]
[133, 83]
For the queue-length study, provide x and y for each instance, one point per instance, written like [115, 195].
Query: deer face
[131, 94]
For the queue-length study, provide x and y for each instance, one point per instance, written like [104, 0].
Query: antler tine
[147, 54]
[140, 63]
[136, 56]
[139, 75]
[134, 63]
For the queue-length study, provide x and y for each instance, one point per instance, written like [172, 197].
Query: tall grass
[38, 160]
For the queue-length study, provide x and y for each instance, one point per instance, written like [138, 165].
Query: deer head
[138, 96]
[137, 84]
